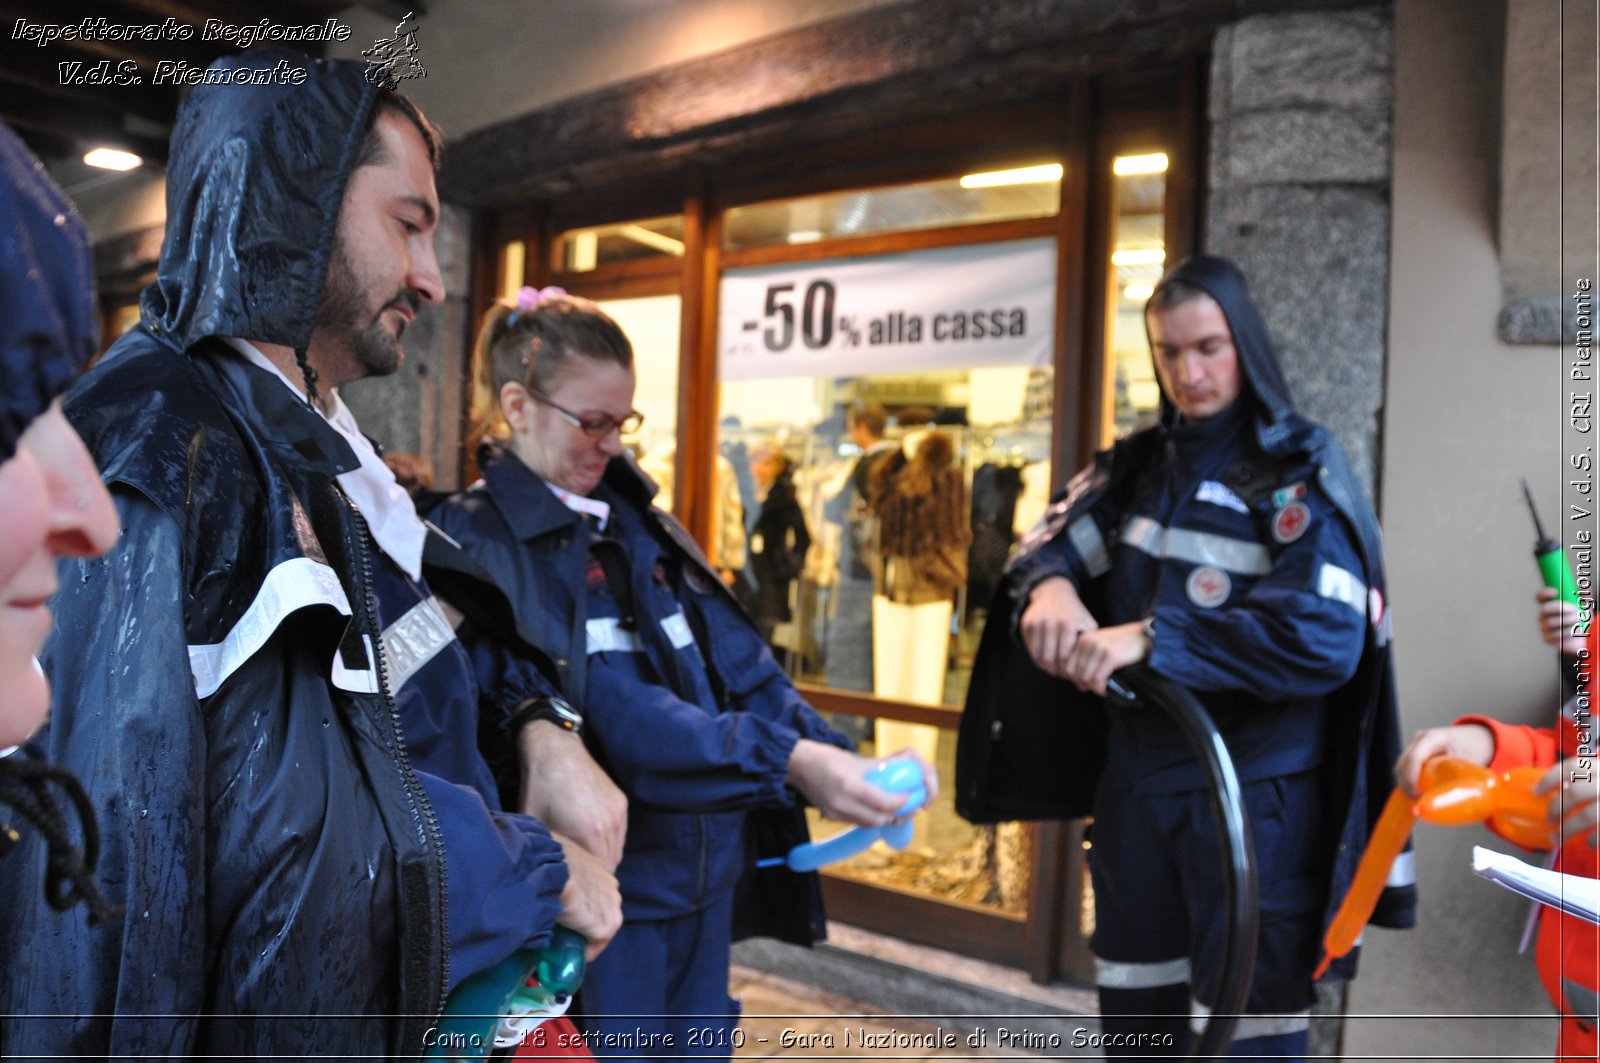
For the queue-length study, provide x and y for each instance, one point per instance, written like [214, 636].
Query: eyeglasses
[600, 424]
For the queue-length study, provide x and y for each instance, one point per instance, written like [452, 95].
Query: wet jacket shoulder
[154, 425]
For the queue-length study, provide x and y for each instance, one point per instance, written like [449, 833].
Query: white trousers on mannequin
[910, 651]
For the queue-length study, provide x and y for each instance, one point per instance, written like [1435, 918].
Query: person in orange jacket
[1568, 949]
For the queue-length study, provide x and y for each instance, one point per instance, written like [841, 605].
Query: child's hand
[1576, 807]
[1556, 620]
[1469, 741]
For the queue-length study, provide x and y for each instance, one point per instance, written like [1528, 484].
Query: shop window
[998, 195]
[651, 325]
[123, 318]
[880, 505]
[911, 481]
[1138, 257]
[513, 263]
[594, 248]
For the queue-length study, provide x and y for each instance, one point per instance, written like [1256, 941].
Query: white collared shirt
[390, 514]
[583, 504]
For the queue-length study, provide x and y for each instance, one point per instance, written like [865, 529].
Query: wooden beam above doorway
[902, 62]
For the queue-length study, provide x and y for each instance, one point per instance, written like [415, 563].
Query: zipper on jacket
[433, 835]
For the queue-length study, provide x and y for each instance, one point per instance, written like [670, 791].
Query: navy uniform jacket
[688, 712]
[1258, 606]
[1293, 657]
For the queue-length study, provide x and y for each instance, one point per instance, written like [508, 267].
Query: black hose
[1138, 685]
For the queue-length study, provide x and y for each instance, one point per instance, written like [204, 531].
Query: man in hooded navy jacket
[1231, 550]
[275, 715]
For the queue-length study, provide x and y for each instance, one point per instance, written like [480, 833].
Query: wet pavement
[794, 1021]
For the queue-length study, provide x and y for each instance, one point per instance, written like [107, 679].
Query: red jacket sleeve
[1517, 746]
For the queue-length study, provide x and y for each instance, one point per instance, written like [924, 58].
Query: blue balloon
[900, 775]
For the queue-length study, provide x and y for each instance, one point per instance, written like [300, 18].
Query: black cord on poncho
[69, 868]
[308, 374]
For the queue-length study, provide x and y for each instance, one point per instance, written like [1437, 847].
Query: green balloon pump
[1553, 566]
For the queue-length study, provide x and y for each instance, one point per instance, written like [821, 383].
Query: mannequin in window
[849, 634]
[920, 501]
[778, 541]
[924, 530]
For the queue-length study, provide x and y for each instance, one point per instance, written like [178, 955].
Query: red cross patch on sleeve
[1291, 522]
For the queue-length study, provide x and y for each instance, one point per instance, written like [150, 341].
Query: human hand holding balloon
[901, 775]
[1466, 741]
[1452, 791]
[1455, 792]
[837, 783]
[1572, 791]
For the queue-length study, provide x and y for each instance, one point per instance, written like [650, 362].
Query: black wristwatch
[553, 709]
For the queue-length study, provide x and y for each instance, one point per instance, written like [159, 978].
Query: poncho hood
[255, 184]
[1266, 388]
[48, 326]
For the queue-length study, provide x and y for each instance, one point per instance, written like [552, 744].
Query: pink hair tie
[530, 299]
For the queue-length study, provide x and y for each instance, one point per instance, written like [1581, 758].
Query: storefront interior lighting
[1138, 256]
[112, 159]
[1022, 175]
[1138, 293]
[1128, 165]
[650, 238]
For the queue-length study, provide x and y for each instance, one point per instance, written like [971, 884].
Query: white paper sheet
[1573, 894]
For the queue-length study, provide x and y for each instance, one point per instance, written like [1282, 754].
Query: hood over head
[261, 154]
[1258, 359]
[48, 325]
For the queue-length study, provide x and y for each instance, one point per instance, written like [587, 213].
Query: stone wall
[1546, 221]
[1298, 195]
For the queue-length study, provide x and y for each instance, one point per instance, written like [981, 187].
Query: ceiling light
[1023, 175]
[1126, 165]
[1138, 256]
[650, 238]
[112, 159]
[1138, 293]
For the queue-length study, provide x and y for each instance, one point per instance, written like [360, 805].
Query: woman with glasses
[671, 685]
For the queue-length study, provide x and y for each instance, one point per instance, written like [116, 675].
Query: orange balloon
[1437, 771]
[1528, 832]
[1524, 816]
[1524, 777]
[1454, 792]
[1456, 804]
[1388, 838]
[1457, 792]
[1514, 794]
